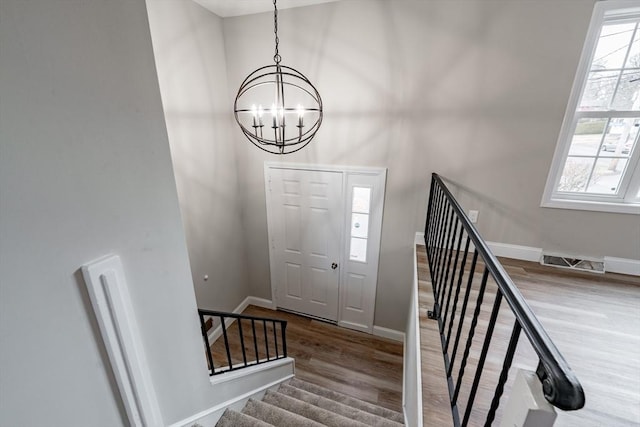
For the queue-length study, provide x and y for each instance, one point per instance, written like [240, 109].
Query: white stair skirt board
[216, 333]
[242, 385]
[412, 358]
[528, 253]
[111, 303]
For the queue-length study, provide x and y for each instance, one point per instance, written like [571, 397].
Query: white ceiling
[226, 8]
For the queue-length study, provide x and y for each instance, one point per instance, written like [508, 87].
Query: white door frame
[365, 325]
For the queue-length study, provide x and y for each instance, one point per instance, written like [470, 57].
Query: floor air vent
[581, 264]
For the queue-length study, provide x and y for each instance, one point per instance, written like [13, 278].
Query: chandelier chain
[276, 57]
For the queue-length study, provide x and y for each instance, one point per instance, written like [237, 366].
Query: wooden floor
[594, 320]
[354, 363]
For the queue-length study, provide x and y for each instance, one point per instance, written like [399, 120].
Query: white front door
[305, 224]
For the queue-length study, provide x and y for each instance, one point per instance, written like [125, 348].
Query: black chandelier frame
[274, 138]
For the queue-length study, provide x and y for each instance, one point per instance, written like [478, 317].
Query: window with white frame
[595, 166]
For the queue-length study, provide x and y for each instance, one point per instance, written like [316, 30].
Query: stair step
[276, 416]
[307, 410]
[231, 418]
[347, 400]
[350, 412]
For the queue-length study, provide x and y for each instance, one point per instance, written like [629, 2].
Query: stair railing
[257, 341]
[446, 227]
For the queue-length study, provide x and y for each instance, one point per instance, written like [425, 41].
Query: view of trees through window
[607, 119]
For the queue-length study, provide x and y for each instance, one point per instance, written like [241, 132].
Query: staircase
[299, 403]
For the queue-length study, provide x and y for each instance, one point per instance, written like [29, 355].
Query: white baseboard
[258, 302]
[529, 253]
[392, 334]
[524, 253]
[622, 265]
[216, 333]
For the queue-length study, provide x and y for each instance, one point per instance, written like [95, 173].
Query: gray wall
[473, 90]
[190, 58]
[85, 171]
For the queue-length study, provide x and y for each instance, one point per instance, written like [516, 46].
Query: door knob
[334, 265]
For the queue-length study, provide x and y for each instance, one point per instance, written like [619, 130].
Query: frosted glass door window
[358, 249]
[360, 206]
[359, 225]
[361, 200]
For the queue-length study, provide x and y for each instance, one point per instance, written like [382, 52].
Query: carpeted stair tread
[231, 418]
[350, 412]
[310, 411]
[277, 416]
[348, 400]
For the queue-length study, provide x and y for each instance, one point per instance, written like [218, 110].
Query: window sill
[583, 205]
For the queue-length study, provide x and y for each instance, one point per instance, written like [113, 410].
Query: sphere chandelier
[293, 104]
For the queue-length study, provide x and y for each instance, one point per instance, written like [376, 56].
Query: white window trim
[550, 199]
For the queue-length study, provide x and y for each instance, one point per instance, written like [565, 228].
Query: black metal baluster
[439, 251]
[283, 326]
[444, 251]
[483, 356]
[266, 341]
[435, 235]
[280, 349]
[455, 300]
[206, 341]
[429, 207]
[244, 352]
[435, 313]
[275, 338]
[508, 359]
[226, 342]
[453, 273]
[444, 274]
[436, 243]
[435, 221]
[472, 331]
[467, 292]
[255, 340]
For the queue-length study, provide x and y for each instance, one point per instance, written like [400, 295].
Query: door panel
[363, 222]
[354, 291]
[293, 281]
[292, 226]
[306, 219]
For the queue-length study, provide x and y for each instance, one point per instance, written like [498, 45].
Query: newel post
[527, 406]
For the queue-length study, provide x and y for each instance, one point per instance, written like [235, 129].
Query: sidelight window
[360, 206]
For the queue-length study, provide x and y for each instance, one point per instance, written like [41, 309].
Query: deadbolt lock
[334, 265]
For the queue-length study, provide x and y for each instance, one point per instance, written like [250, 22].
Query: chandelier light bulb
[300, 111]
[274, 114]
[254, 113]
